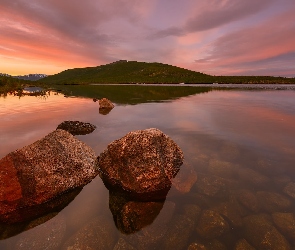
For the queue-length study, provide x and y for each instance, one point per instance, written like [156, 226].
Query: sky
[217, 37]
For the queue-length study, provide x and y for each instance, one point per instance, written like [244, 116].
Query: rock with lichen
[141, 164]
[77, 127]
[48, 168]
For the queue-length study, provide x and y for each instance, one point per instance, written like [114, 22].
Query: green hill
[127, 72]
[140, 72]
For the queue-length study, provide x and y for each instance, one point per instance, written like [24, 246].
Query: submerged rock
[35, 174]
[76, 127]
[273, 202]
[260, 233]
[105, 103]
[285, 222]
[243, 245]
[290, 189]
[46, 236]
[253, 177]
[122, 244]
[222, 168]
[141, 164]
[248, 199]
[211, 225]
[99, 233]
[209, 245]
[181, 228]
[230, 211]
[214, 186]
[185, 179]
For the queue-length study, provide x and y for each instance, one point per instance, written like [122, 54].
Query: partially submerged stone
[77, 127]
[46, 169]
[141, 164]
[105, 103]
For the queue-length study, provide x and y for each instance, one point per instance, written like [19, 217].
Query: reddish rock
[104, 103]
[141, 164]
[37, 173]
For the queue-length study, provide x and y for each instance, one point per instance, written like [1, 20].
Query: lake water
[236, 187]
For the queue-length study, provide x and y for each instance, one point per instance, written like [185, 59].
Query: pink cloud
[221, 36]
[258, 46]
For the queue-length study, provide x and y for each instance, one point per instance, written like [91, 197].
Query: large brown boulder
[141, 164]
[37, 173]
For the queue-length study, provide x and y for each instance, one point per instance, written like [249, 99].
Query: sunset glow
[229, 37]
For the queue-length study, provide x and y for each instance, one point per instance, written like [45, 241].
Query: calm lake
[236, 188]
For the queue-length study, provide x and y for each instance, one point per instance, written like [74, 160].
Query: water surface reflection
[239, 143]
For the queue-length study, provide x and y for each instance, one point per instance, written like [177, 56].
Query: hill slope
[127, 72]
[141, 72]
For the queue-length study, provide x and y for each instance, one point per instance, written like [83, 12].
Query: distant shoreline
[275, 86]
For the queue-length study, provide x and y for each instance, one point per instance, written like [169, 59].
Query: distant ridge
[124, 71]
[30, 77]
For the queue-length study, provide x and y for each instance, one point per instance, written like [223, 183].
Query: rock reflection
[131, 216]
[29, 217]
[104, 111]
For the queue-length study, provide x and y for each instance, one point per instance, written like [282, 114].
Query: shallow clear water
[239, 148]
